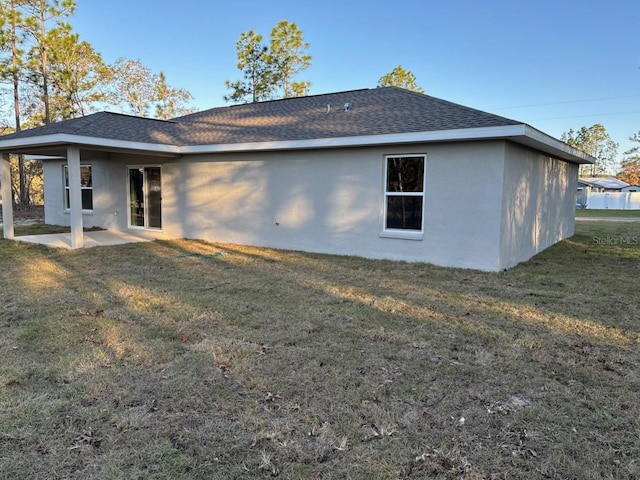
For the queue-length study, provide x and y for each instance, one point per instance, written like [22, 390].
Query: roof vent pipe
[347, 106]
[328, 108]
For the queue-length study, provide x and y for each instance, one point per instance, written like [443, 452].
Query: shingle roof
[377, 111]
[109, 125]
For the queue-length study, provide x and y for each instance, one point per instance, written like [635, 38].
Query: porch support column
[7, 197]
[75, 197]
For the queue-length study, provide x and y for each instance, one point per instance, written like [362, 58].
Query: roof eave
[26, 144]
[541, 141]
[519, 133]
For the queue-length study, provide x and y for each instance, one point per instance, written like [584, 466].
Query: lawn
[584, 213]
[184, 359]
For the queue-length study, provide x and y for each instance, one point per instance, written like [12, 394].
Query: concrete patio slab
[91, 239]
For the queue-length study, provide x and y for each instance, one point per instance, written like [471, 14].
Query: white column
[75, 197]
[7, 197]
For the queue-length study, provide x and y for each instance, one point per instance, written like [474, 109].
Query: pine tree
[399, 77]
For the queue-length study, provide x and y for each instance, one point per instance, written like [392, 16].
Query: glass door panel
[145, 197]
[154, 197]
[136, 197]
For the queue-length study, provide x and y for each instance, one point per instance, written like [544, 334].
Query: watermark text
[616, 240]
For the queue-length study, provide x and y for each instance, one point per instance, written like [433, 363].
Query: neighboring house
[601, 184]
[379, 173]
[607, 193]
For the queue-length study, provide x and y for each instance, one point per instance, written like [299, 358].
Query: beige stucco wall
[539, 203]
[488, 205]
[332, 201]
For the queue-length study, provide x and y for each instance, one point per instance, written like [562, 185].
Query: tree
[10, 20]
[170, 101]
[39, 14]
[134, 86]
[595, 141]
[10, 40]
[258, 74]
[399, 77]
[139, 91]
[32, 178]
[78, 75]
[630, 165]
[268, 71]
[287, 57]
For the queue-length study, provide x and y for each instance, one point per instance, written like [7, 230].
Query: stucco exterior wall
[328, 201]
[332, 202]
[538, 208]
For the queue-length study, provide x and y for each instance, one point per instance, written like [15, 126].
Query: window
[86, 187]
[404, 193]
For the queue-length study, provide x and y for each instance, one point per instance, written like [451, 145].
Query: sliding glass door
[145, 197]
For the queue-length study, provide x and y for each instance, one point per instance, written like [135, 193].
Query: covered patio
[64, 142]
[77, 237]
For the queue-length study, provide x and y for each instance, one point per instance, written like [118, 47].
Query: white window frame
[396, 232]
[65, 187]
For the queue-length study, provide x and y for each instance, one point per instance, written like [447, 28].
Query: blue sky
[554, 64]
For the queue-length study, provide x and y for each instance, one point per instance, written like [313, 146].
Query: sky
[553, 64]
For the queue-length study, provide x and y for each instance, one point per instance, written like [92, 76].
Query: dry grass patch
[185, 359]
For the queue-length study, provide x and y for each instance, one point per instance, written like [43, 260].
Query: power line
[568, 101]
[585, 116]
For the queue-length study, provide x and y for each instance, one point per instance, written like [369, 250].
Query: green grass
[584, 213]
[139, 361]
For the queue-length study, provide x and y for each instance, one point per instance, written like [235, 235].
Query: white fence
[613, 200]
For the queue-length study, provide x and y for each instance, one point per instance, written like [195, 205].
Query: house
[590, 185]
[607, 193]
[380, 173]
[602, 184]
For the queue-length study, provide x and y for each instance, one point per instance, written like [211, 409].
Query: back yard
[184, 359]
